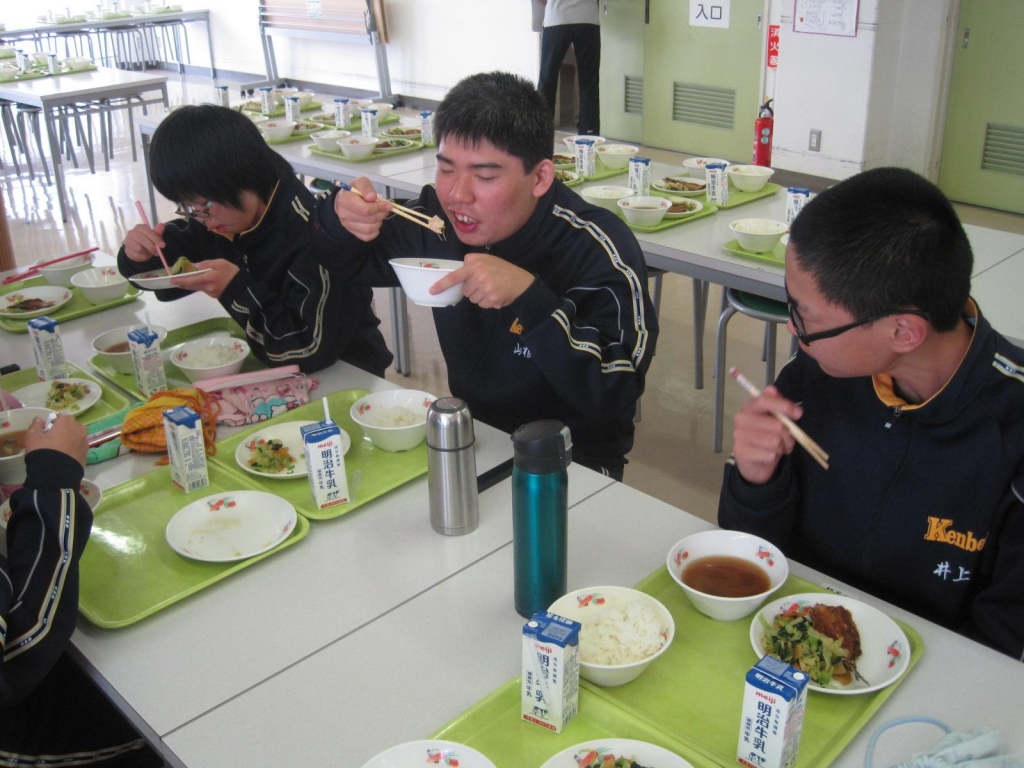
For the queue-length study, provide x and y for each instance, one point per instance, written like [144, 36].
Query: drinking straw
[327, 411]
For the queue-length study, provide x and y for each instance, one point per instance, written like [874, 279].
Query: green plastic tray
[356, 124]
[668, 223]
[738, 197]
[301, 136]
[775, 256]
[129, 572]
[223, 325]
[602, 172]
[493, 727]
[415, 147]
[371, 472]
[692, 695]
[111, 401]
[77, 307]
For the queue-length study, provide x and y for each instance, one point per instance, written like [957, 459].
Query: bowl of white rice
[393, 420]
[210, 357]
[624, 630]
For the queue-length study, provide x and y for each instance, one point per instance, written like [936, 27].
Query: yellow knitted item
[143, 428]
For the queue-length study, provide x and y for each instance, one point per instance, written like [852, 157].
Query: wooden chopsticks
[434, 223]
[145, 220]
[816, 451]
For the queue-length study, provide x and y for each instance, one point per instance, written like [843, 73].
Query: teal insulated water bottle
[540, 484]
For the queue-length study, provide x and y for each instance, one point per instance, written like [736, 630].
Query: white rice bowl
[624, 630]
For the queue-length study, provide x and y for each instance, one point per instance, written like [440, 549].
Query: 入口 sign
[709, 13]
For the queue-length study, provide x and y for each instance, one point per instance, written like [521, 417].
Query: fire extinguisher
[763, 128]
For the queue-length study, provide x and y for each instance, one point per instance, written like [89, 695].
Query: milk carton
[291, 109]
[325, 464]
[370, 123]
[186, 448]
[551, 670]
[267, 99]
[718, 184]
[796, 199]
[640, 175]
[427, 127]
[48, 349]
[342, 115]
[585, 158]
[220, 96]
[147, 361]
[773, 715]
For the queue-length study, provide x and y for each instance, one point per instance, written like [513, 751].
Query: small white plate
[395, 144]
[289, 434]
[89, 490]
[392, 132]
[885, 650]
[158, 279]
[567, 177]
[661, 187]
[35, 396]
[697, 208]
[52, 296]
[230, 526]
[640, 751]
[429, 752]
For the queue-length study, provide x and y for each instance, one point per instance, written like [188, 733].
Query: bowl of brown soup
[112, 346]
[727, 574]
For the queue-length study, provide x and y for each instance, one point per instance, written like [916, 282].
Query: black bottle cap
[542, 447]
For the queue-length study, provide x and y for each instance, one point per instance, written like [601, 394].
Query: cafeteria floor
[671, 459]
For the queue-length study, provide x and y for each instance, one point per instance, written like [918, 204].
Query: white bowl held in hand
[758, 235]
[644, 211]
[417, 275]
[211, 357]
[749, 178]
[615, 156]
[62, 272]
[357, 146]
[328, 140]
[605, 195]
[100, 284]
[612, 628]
[697, 165]
[12, 444]
[761, 564]
[277, 129]
[395, 419]
[112, 346]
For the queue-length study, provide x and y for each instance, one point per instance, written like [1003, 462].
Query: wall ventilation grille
[1004, 149]
[634, 95]
[704, 105]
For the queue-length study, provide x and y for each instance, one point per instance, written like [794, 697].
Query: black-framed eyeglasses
[199, 212]
[807, 338]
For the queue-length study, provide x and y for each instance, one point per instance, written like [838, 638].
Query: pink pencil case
[249, 398]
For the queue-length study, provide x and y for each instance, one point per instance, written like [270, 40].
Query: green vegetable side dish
[595, 759]
[792, 638]
[271, 457]
[64, 395]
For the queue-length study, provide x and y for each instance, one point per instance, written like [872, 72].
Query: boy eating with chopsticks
[918, 401]
[556, 322]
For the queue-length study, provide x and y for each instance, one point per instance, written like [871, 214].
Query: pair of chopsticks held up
[816, 451]
[434, 223]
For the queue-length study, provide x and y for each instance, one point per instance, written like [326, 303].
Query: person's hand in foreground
[759, 439]
[141, 242]
[361, 214]
[211, 283]
[66, 435]
[487, 281]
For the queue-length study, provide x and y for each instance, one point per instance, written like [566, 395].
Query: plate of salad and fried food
[845, 646]
[616, 753]
[72, 396]
[277, 452]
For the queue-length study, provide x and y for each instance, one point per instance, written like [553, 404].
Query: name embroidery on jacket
[516, 327]
[522, 351]
[939, 529]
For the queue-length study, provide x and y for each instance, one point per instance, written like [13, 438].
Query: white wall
[878, 98]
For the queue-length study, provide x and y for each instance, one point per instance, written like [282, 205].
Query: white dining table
[53, 92]
[376, 630]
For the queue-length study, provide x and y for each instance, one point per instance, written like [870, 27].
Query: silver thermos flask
[451, 468]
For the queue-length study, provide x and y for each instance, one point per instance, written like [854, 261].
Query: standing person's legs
[554, 43]
[586, 43]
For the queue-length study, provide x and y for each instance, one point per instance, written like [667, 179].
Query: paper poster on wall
[826, 17]
[313, 9]
[709, 13]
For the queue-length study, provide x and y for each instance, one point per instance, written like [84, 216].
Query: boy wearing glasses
[918, 401]
[246, 217]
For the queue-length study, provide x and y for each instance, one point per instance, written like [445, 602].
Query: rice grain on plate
[622, 635]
